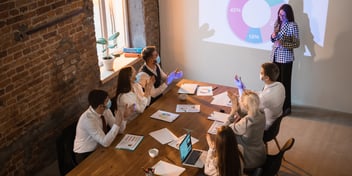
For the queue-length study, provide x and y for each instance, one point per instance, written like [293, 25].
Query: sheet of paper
[187, 108]
[188, 88]
[214, 127]
[205, 91]
[221, 99]
[167, 169]
[163, 135]
[176, 142]
[129, 142]
[219, 116]
[164, 115]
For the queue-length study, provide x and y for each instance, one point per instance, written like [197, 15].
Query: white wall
[323, 80]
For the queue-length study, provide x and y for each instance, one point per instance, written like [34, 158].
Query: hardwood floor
[323, 140]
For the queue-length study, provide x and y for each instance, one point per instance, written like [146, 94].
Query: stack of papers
[165, 116]
[222, 100]
[214, 127]
[129, 142]
[188, 88]
[219, 116]
[163, 135]
[187, 108]
[205, 91]
[167, 169]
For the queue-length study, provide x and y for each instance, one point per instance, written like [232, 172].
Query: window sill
[120, 62]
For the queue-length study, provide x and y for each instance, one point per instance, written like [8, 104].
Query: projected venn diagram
[252, 21]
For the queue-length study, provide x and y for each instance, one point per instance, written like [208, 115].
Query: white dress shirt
[135, 96]
[211, 163]
[271, 101]
[89, 130]
[144, 77]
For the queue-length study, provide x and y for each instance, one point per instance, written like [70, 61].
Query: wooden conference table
[111, 161]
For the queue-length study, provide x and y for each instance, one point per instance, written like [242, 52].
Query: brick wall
[44, 80]
[45, 76]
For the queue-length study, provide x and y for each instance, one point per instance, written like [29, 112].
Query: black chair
[272, 132]
[64, 147]
[273, 162]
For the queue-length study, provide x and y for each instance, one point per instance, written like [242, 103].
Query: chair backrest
[273, 162]
[64, 147]
[273, 130]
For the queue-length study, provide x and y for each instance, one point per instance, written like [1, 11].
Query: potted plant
[108, 44]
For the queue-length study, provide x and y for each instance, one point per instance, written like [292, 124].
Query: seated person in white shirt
[91, 129]
[272, 96]
[151, 68]
[130, 93]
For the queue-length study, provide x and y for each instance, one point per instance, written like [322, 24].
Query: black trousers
[285, 78]
[81, 156]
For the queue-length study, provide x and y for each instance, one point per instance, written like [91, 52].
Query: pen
[215, 88]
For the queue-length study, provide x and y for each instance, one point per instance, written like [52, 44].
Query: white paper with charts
[129, 142]
[214, 127]
[176, 142]
[164, 115]
[205, 91]
[219, 116]
[167, 169]
[188, 88]
[163, 135]
[187, 108]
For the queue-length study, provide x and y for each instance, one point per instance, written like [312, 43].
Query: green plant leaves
[102, 41]
[114, 36]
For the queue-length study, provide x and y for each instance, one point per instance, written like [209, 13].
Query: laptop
[189, 156]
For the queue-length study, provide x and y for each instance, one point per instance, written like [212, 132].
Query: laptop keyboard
[193, 157]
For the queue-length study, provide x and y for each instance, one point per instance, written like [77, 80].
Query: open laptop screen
[185, 147]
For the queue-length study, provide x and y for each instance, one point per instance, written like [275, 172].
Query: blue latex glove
[173, 75]
[240, 85]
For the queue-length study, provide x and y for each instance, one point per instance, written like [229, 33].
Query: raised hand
[149, 86]
[234, 100]
[210, 141]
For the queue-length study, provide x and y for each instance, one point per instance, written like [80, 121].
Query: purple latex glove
[173, 75]
[239, 84]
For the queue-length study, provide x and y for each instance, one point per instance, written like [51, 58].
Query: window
[109, 18]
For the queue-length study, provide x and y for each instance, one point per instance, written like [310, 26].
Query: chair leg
[278, 146]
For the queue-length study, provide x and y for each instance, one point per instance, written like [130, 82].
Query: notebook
[189, 156]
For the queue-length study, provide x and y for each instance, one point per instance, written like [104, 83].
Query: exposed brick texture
[46, 76]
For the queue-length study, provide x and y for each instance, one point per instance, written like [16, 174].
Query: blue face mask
[108, 105]
[158, 60]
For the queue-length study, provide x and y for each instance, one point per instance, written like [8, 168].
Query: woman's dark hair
[124, 81]
[271, 70]
[123, 86]
[147, 52]
[97, 97]
[227, 152]
[289, 13]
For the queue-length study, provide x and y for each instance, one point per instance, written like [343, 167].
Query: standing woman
[285, 38]
[129, 92]
[223, 156]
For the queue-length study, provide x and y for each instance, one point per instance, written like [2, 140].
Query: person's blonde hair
[252, 101]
